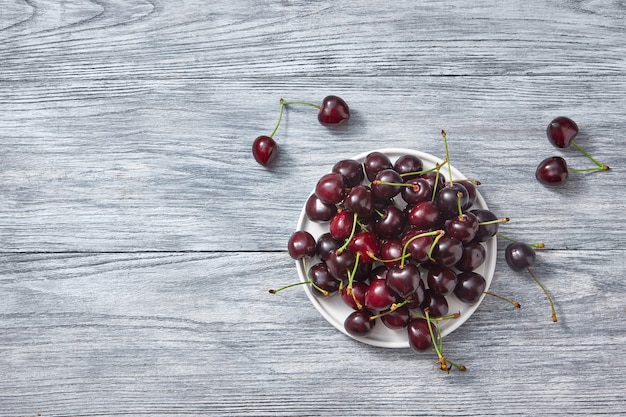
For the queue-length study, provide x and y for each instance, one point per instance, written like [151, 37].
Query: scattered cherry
[265, 150]
[334, 111]
[561, 133]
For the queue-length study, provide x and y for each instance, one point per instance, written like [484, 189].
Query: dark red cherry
[473, 256]
[391, 224]
[391, 252]
[340, 226]
[340, 264]
[366, 245]
[519, 256]
[552, 171]
[352, 170]
[423, 215]
[409, 165]
[301, 244]
[463, 227]
[360, 201]
[333, 111]
[326, 244]
[379, 296]
[561, 131]
[441, 279]
[331, 188]
[421, 190]
[404, 280]
[417, 247]
[358, 293]
[264, 150]
[485, 231]
[397, 319]
[419, 334]
[470, 286]
[436, 303]
[359, 323]
[447, 199]
[318, 211]
[323, 279]
[385, 185]
[375, 162]
[447, 251]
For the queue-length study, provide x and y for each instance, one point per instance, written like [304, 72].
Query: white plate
[335, 311]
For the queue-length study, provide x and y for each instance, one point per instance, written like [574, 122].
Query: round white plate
[335, 311]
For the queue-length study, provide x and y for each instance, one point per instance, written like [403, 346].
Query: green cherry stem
[600, 165]
[391, 309]
[306, 103]
[445, 143]
[539, 245]
[437, 233]
[545, 291]
[351, 281]
[347, 242]
[308, 281]
[598, 168]
[280, 117]
[512, 302]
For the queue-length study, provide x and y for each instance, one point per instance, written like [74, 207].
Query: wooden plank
[172, 333]
[166, 165]
[148, 39]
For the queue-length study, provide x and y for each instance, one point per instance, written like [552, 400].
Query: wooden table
[138, 237]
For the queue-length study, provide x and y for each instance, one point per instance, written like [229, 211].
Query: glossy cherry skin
[334, 111]
[391, 252]
[358, 292]
[386, 191]
[436, 303]
[321, 277]
[365, 244]
[301, 244]
[561, 131]
[375, 162]
[552, 171]
[340, 225]
[423, 215]
[447, 251]
[473, 256]
[441, 279]
[358, 323]
[463, 227]
[379, 296]
[420, 191]
[470, 286]
[519, 256]
[408, 164]
[318, 211]
[485, 231]
[397, 319]
[391, 224]
[417, 247]
[264, 150]
[331, 188]
[352, 170]
[360, 201]
[340, 264]
[325, 245]
[447, 199]
[419, 335]
[404, 280]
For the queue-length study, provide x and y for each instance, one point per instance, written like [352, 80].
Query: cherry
[359, 323]
[397, 319]
[470, 287]
[419, 247]
[552, 171]
[352, 170]
[318, 211]
[404, 279]
[385, 185]
[436, 304]
[487, 224]
[463, 227]
[473, 256]
[418, 331]
[360, 201]
[323, 279]
[301, 244]
[355, 295]
[520, 256]
[264, 150]
[561, 133]
[449, 197]
[408, 166]
[441, 279]
[391, 252]
[447, 251]
[331, 188]
[375, 162]
[379, 296]
[423, 215]
[326, 244]
[334, 111]
[341, 225]
[391, 223]
[365, 244]
[340, 264]
[421, 190]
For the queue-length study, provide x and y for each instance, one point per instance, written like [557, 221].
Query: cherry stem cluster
[601, 166]
[444, 363]
[284, 103]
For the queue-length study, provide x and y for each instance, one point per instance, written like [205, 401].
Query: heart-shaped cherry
[264, 150]
[404, 279]
[333, 111]
[552, 171]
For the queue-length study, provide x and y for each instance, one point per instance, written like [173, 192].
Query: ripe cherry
[404, 280]
[264, 150]
[561, 131]
[359, 323]
[331, 188]
[379, 296]
[301, 244]
[552, 171]
[419, 335]
[334, 111]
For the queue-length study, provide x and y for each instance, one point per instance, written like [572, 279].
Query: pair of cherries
[553, 171]
[333, 111]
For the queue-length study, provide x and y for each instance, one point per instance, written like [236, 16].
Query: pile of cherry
[400, 241]
[403, 239]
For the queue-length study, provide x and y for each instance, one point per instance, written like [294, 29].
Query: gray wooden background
[138, 237]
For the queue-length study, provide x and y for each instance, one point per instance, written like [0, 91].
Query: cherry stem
[347, 242]
[391, 309]
[538, 245]
[459, 196]
[351, 280]
[502, 220]
[317, 106]
[438, 233]
[438, 169]
[280, 117]
[447, 317]
[438, 346]
[599, 168]
[308, 281]
[545, 291]
[599, 164]
[445, 143]
[514, 303]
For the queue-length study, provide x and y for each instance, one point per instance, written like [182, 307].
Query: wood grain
[138, 238]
